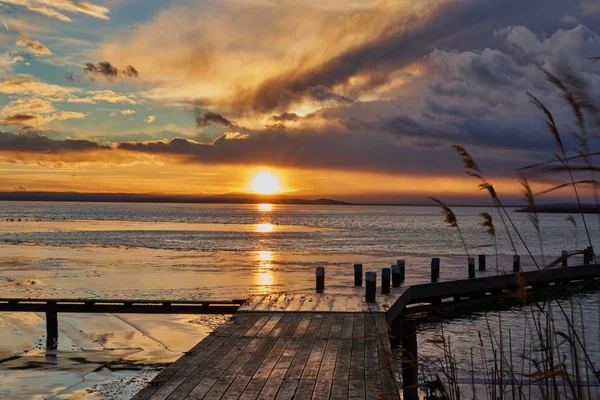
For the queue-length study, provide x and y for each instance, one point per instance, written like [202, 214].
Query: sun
[265, 183]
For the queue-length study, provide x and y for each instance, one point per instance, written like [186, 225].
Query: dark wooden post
[471, 262]
[371, 286]
[385, 280]
[409, 360]
[396, 275]
[320, 279]
[357, 274]
[51, 329]
[435, 269]
[564, 262]
[482, 262]
[588, 255]
[402, 265]
[516, 263]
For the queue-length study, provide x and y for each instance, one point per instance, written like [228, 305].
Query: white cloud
[127, 112]
[150, 119]
[57, 8]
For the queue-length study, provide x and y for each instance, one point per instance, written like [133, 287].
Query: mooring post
[516, 263]
[588, 255]
[396, 275]
[409, 359]
[51, 329]
[402, 264]
[320, 279]
[482, 262]
[357, 274]
[435, 269]
[471, 262]
[385, 280]
[371, 286]
[564, 254]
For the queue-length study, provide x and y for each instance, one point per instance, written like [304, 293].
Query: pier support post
[396, 275]
[435, 269]
[51, 329]
[402, 265]
[358, 274]
[564, 262]
[588, 255]
[471, 261]
[516, 263]
[482, 262]
[320, 279]
[385, 280]
[371, 286]
[409, 359]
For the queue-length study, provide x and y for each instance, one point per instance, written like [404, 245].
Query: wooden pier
[329, 346]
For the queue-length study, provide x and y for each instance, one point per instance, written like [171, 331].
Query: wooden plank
[372, 373]
[348, 327]
[258, 325]
[354, 303]
[296, 302]
[303, 326]
[227, 359]
[281, 325]
[270, 389]
[325, 303]
[266, 304]
[370, 326]
[251, 303]
[342, 363]
[327, 369]
[339, 390]
[288, 332]
[336, 326]
[356, 386]
[311, 368]
[235, 367]
[287, 389]
[305, 388]
[297, 366]
[253, 389]
[340, 303]
[271, 359]
[201, 389]
[244, 326]
[257, 358]
[325, 328]
[280, 304]
[265, 330]
[313, 328]
[388, 385]
[236, 388]
[218, 389]
[359, 326]
[310, 302]
[283, 364]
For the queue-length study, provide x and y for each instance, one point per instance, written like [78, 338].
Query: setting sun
[265, 183]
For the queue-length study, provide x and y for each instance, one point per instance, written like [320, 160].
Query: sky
[354, 100]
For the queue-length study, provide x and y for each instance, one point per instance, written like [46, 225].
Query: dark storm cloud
[37, 143]
[208, 118]
[286, 116]
[320, 93]
[108, 71]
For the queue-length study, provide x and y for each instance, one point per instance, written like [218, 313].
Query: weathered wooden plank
[246, 324]
[265, 330]
[340, 303]
[336, 326]
[372, 373]
[310, 302]
[270, 389]
[296, 302]
[370, 326]
[356, 386]
[287, 389]
[288, 331]
[303, 326]
[388, 385]
[348, 327]
[258, 325]
[339, 390]
[236, 366]
[342, 363]
[311, 368]
[354, 303]
[252, 365]
[325, 303]
[266, 304]
[284, 362]
[252, 389]
[201, 389]
[280, 304]
[325, 328]
[313, 328]
[218, 389]
[236, 388]
[271, 359]
[326, 370]
[304, 391]
[281, 325]
[359, 326]
[251, 303]
[227, 359]
[297, 366]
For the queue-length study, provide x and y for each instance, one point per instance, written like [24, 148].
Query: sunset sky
[352, 99]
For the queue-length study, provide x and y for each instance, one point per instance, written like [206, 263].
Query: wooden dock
[327, 346]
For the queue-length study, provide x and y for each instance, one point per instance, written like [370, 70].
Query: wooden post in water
[588, 255]
[320, 279]
[482, 262]
[471, 262]
[51, 329]
[409, 359]
[435, 269]
[516, 263]
[402, 265]
[564, 262]
[357, 274]
[371, 286]
[396, 275]
[385, 280]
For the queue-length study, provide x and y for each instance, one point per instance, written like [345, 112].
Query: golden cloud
[35, 47]
[56, 8]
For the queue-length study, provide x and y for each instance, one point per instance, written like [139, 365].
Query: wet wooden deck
[285, 355]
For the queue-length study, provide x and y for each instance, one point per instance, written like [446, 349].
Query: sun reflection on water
[265, 207]
[264, 228]
[265, 275]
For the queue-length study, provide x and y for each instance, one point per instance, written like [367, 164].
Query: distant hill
[160, 198]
